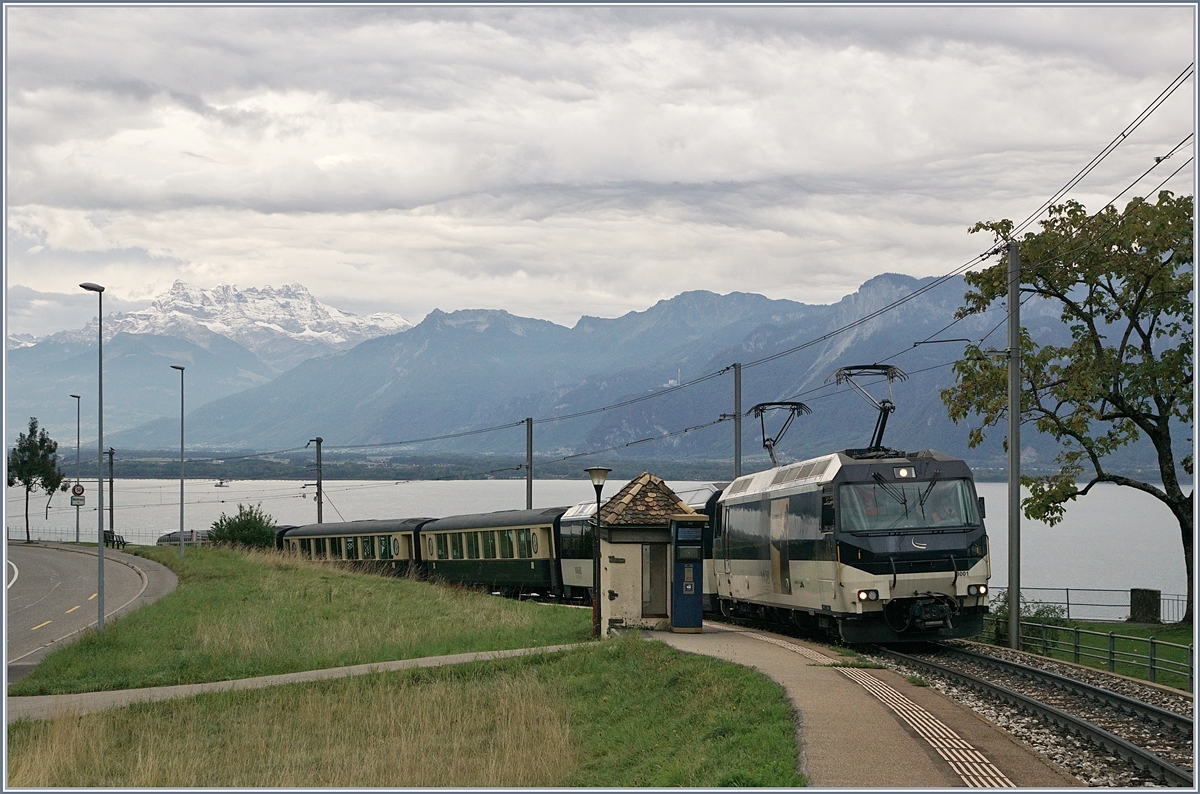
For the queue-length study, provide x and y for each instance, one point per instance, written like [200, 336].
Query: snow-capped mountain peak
[282, 326]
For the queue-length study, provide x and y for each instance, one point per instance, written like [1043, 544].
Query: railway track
[1155, 741]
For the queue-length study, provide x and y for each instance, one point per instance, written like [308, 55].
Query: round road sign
[77, 490]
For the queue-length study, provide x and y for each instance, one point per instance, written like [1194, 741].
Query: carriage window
[524, 545]
[489, 545]
[368, 547]
[456, 545]
[385, 547]
[335, 548]
[472, 545]
[351, 548]
[443, 548]
[306, 546]
[320, 548]
[506, 543]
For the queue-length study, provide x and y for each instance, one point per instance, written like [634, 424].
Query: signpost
[77, 499]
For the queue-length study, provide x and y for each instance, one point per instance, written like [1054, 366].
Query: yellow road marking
[93, 595]
[72, 609]
[38, 626]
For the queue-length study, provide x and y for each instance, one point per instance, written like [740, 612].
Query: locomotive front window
[888, 504]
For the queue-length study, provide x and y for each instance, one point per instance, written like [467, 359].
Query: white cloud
[558, 161]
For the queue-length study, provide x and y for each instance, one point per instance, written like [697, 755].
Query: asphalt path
[52, 594]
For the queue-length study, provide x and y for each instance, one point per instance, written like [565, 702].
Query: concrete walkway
[867, 728]
[157, 581]
[41, 707]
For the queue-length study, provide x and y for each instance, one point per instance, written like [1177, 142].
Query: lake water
[1114, 538]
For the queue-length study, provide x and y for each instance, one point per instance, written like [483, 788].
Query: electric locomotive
[882, 549]
[873, 544]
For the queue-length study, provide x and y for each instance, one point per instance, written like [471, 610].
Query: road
[52, 594]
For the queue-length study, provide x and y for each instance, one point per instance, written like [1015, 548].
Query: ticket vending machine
[687, 572]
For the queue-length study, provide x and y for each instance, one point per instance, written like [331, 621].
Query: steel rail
[1138, 756]
[1128, 705]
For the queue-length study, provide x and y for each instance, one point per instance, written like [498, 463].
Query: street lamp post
[176, 366]
[598, 474]
[77, 463]
[99, 290]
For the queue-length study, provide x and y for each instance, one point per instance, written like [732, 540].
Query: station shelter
[637, 556]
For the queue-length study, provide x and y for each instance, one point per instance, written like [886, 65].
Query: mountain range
[457, 372]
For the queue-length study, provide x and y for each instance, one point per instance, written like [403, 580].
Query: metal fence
[1142, 657]
[1083, 603]
[88, 535]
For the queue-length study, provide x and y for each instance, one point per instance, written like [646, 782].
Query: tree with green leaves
[250, 527]
[1123, 283]
[33, 463]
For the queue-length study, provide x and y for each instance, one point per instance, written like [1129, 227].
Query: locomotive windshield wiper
[892, 491]
[921, 497]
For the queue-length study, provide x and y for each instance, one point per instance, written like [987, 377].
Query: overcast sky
[554, 161]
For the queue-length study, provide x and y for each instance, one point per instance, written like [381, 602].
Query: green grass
[916, 680]
[619, 713]
[238, 615]
[1130, 640]
[698, 722]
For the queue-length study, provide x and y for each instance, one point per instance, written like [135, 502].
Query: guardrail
[1115, 652]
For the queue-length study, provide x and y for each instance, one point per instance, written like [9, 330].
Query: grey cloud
[533, 143]
[40, 313]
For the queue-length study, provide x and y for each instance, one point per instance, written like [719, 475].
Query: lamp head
[176, 366]
[90, 287]
[76, 396]
[598, 474]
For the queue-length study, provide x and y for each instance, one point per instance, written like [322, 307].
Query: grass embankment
[621, 713]
[1131, 640]
[238, 615]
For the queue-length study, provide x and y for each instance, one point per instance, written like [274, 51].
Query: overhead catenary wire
[1171, 88]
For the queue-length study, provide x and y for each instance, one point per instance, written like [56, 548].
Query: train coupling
[934, 611]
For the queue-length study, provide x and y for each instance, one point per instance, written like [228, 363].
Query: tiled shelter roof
[644, 501]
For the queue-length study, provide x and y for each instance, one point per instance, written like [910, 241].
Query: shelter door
[654, 580]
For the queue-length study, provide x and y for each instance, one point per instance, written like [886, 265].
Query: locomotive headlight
[868, 595]
[976, 589]
[862, 595]
[982, 589]
[904, 472]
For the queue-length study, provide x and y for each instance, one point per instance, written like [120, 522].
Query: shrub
[250, 527]
[1031, 611]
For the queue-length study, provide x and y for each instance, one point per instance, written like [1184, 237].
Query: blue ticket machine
[687, 579]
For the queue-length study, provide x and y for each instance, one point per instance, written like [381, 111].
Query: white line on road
[16, 573]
